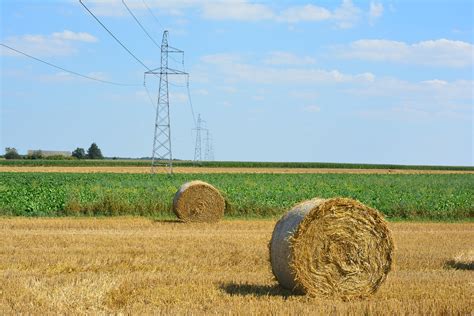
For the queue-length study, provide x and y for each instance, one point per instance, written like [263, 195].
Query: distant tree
[79, 153]
[94, 152]
[36, 154]
[11, 153]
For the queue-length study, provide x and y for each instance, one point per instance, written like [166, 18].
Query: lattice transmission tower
[209, 153]
[211, 150]
[197, 148]
[161, 154]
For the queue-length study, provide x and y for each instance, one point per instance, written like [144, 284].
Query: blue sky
[335, 81]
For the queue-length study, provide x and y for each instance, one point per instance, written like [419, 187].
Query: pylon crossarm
[165, 70]
[171, 49]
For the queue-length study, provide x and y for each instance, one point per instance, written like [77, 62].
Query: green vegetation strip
[426, 196]
[218, 164]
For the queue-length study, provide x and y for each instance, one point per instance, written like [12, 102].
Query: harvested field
[189, 170]
[135, 265]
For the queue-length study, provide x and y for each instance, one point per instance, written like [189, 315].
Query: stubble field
[90, 265]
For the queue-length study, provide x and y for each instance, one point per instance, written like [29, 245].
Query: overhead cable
[141, 26]
[67, 70]
[116, 39]
[151, 12]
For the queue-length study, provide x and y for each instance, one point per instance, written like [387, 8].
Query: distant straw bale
[331, 248]
[462, 261]
[198, 201]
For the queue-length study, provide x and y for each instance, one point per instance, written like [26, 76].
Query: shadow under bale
[255, 290]
[167, 221]
[463, 261]
[453, 264]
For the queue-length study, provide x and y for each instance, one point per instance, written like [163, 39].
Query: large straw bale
[331, 248]
[198, 201]
[463, 260]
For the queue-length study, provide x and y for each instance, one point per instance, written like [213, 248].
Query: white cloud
[106, 7]
[435, 82]
[305, 13]
[56, 44]
[440, 90]
[115, 8]
[418, 100]
[234, 68]
[440, 52]
[229, 89]
[399, 99]
[285, 58]
[236, 10]
[305, 95]
[375, 11]
[201, 92]
[177, 97]
[312, 108]
[72, 36]
[345, 15]
[98, 75]
[63, 76]
[143, 96]
[222, 58]
[410, 112]
[57, 77]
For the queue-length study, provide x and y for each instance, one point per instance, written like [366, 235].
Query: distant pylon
[197, 148]
[211, 149]
[161, 154]
[208, 155]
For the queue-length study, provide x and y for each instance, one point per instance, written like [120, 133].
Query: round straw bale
[198, 201]
[463, 261]
[331, 248]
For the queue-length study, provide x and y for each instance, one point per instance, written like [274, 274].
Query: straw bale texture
[198, 201]
[331, 248]
[463, 260]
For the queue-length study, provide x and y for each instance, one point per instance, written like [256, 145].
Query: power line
[151, 12]
[141, 26]
[149, 95]
[189, 92]
[189, 98]
[162, 124]
[111, 34]
[67, 70]
[176, 61]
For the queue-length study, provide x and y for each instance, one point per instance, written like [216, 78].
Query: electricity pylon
[211, 150]
[161, 154]
[197, 148]
[208, 154]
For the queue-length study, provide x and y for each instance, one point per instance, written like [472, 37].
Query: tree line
[93, 152]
